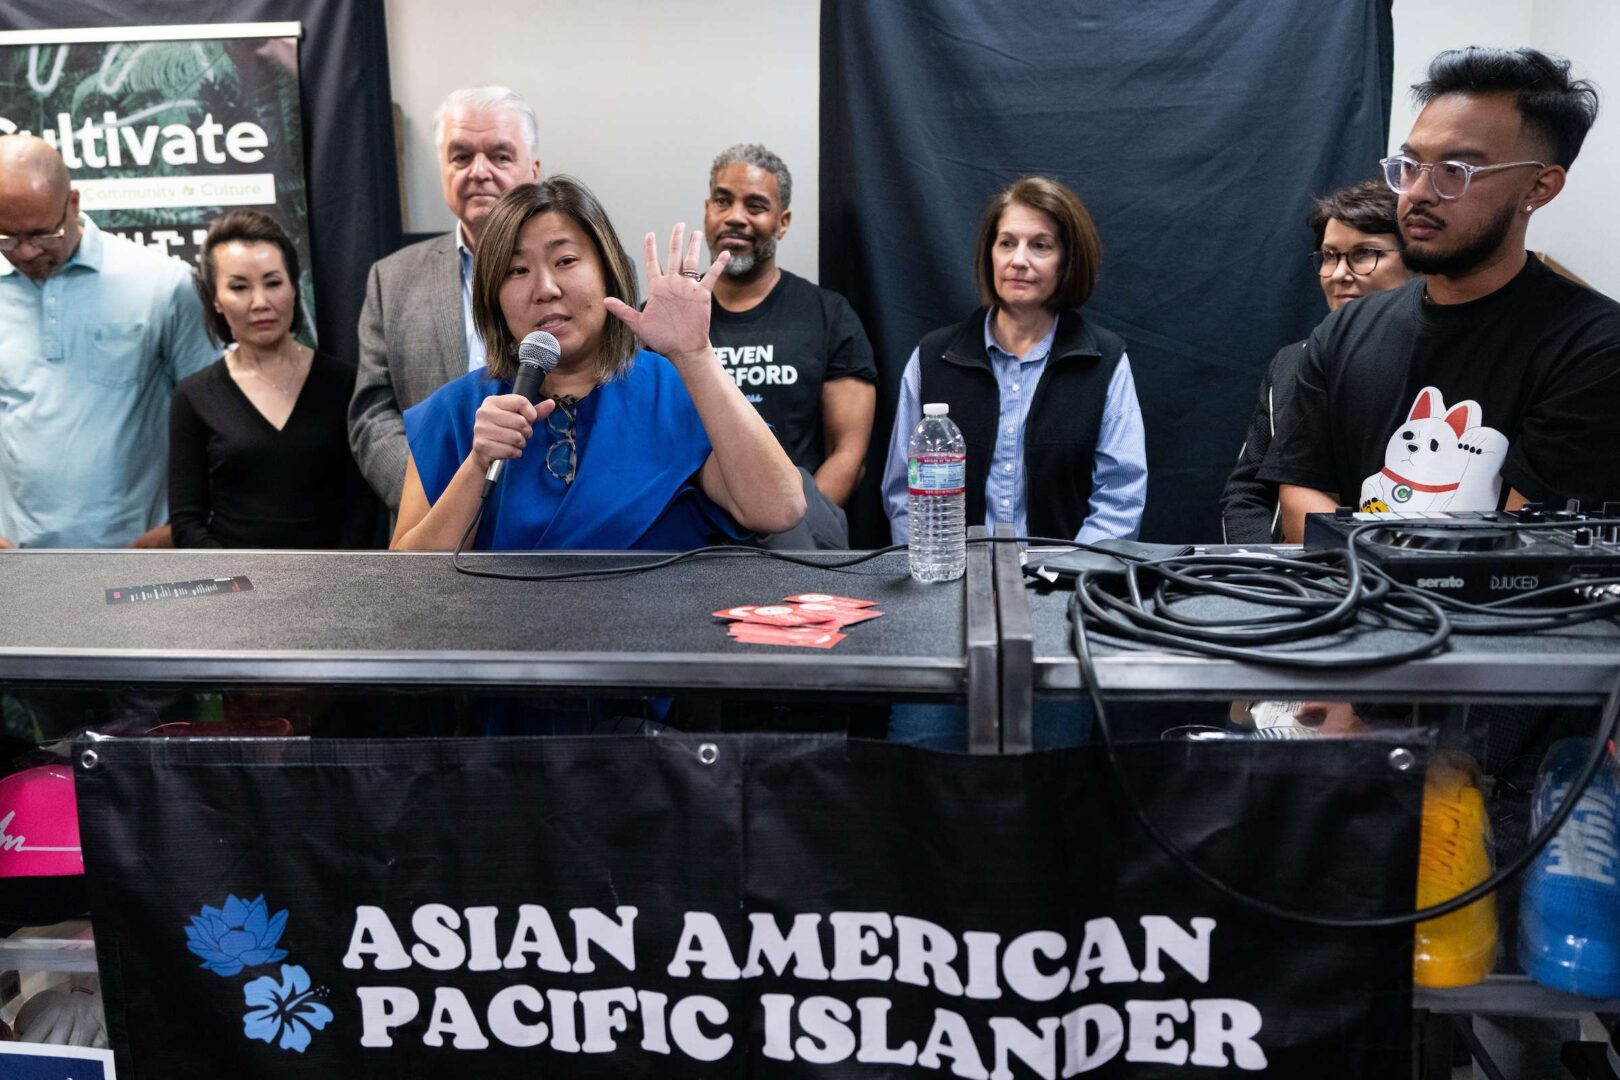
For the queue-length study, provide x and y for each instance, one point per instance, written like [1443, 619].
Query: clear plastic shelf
[1516, 995]
[65, 947]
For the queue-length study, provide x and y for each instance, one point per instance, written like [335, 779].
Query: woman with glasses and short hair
[1358, 252]
[629, 448]
[259, 440]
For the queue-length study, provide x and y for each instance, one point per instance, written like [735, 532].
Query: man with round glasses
[94, 333]
[1358, 251]
[1492, 381]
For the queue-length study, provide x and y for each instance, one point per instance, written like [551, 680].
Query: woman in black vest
[1044, 397]
[1046, 405]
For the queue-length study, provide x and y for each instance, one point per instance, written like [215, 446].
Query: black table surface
[1574, 664]
[357, 617]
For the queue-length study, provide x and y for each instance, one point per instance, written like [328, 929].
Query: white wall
[1426, 27]
[1581, 227]
[635, 97]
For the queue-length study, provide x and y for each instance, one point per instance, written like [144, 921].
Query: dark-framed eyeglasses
[1362, 260]
[1449, 178]
[39, 239]
[562, 456]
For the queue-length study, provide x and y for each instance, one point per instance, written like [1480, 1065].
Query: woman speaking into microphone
[629, 448]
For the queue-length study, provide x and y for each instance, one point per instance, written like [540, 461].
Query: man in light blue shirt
[94, 333]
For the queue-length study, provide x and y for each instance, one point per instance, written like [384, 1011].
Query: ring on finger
[695, 275]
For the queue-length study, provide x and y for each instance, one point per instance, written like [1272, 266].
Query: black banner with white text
[740, 906]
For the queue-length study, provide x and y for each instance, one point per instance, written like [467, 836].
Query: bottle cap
[938, 408]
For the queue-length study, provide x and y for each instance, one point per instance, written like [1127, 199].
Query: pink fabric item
[39, 824]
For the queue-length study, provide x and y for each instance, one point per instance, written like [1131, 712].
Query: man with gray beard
[797, 351]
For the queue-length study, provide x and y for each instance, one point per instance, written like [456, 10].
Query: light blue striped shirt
[475, 344]
[1119, 474]
[88, 358]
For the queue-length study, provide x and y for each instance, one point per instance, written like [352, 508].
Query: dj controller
[1480, 556]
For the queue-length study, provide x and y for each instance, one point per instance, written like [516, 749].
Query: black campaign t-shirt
[781, 352]
[1405, 404]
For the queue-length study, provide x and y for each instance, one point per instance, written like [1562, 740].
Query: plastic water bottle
[937, 479]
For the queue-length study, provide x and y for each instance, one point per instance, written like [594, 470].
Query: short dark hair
[1076, 234]
[1368, 207]
[246, 227]
[761, 158]
[498, 239]
[1559, 109]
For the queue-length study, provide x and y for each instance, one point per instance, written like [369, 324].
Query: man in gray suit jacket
[416, 329]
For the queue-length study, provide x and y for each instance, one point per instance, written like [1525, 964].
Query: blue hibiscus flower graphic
[284, 1009]
[243, 935]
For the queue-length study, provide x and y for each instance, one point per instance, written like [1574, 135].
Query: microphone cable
[719, 551]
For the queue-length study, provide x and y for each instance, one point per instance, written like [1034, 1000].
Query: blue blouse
[639, 443]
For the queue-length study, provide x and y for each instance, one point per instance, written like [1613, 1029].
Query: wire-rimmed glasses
[39, 239]
[1449, 178]
[562, 456]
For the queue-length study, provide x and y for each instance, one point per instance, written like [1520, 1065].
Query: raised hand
[675, 321]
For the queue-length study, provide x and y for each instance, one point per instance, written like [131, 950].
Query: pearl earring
[1530, 208]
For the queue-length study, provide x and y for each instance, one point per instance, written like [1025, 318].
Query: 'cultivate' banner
[162, 136]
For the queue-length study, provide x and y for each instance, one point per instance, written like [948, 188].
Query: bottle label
[937, 474]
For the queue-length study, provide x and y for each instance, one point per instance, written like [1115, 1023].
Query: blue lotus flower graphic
[243, 935]
[284, 1009]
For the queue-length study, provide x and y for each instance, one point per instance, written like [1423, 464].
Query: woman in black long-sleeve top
[258, 442]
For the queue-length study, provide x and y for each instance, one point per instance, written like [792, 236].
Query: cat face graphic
[1425, 449]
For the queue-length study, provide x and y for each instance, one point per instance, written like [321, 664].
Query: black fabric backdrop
[776, 825]
[353, 182]
[1196, 132]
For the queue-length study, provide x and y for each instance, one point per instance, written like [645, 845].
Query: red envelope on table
[839, 617]
[804, 637]
[835, 601]
[773, 615]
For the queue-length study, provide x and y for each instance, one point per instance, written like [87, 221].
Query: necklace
[258, 369]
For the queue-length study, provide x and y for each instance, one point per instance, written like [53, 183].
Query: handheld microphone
[537, 357]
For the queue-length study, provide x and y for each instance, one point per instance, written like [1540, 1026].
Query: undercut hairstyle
[756, 155]
[494, 99]
[1076, 236]
[1560, 110]
[1368, 207]
[245, 227]
[499, 240]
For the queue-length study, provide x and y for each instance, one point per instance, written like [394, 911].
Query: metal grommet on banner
[708, 753]
[1401, 759]
[89, 760]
